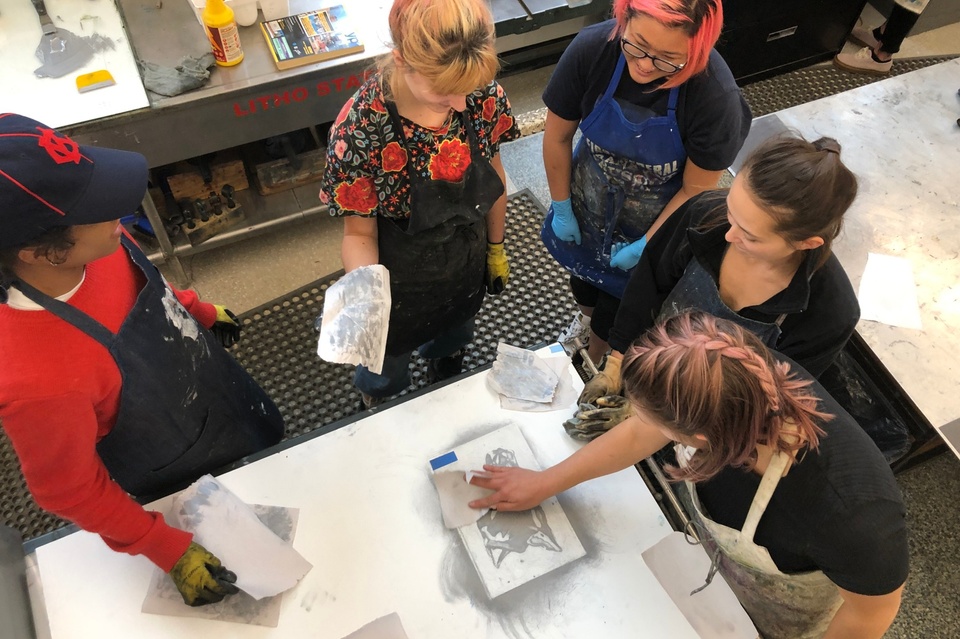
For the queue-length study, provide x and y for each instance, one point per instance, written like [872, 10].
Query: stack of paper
[525, 381]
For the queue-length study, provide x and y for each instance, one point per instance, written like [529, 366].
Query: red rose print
[451, 161]
[503, 125]
[359, 195]
[394, 157]
[343, 113]
[489, 108]
[377, 105]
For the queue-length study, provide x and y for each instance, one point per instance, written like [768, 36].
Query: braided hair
[700, 375]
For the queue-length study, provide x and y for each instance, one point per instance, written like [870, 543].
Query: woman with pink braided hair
[795, 503]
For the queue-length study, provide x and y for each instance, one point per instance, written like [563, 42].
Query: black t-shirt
[838, 510]
[821, 306]
[714, 118]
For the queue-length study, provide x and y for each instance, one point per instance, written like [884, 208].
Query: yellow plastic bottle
[222, 32]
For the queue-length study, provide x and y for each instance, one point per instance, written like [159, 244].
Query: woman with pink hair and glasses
[794, 502]
[661, 119]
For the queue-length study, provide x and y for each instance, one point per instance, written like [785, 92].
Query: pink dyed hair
[696, 374]
[701, 20]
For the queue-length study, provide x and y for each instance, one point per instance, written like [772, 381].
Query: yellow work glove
[593, 420]
[606, 382]
[200, 578]
[226, 327]
[498, 268]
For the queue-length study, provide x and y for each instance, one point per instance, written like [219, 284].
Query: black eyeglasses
[637, 53]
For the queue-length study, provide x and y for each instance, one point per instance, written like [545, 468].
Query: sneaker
[369, 401]
[444, 367]
[864, 36]
[862, 62]
[578, 328]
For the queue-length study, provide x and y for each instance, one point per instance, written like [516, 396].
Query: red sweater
[60, 393]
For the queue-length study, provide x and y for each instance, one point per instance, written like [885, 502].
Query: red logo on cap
[59, 147]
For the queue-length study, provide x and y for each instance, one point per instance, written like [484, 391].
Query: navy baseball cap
[48, 180]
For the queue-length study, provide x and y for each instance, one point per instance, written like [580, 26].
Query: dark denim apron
[186, 406]
[437, 258]
[626, 168]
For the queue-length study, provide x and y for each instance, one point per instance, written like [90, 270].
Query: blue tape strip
[443, 460]
[555, 348]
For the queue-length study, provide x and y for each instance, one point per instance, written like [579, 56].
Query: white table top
[56, 101]
[900, 136]
[370, 524]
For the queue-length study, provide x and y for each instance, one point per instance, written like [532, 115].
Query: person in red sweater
[113, 383]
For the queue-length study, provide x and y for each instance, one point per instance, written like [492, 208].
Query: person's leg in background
[881, 43]
[604, 315]
[394, 378]
[585, 295]
[444, 353]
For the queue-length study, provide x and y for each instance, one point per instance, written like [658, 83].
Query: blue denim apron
[625, 171]
[697, 290]
[186, 406]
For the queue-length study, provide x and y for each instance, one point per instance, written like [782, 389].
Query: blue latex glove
[564, 223]
[625, 256]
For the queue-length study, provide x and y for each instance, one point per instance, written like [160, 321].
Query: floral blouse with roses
[368, 167]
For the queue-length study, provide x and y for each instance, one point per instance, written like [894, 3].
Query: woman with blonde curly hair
[796, 504]
[413, 168]
[661, 119]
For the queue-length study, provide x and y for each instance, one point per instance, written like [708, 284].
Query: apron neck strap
[615, 79]
[68, 313]
[771, 477]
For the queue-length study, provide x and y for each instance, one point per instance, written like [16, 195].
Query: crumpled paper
[356, 318]
[525, 381]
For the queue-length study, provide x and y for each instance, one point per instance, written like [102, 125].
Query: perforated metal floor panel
[279, 348]
[279, 342]
[813, 83]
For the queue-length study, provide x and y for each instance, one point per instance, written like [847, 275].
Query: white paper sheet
[521, 374]
[356, 318]
[388, 627]
[265, 565]
[564, 395]
[888, 293]
[164, 599]
[714, 612]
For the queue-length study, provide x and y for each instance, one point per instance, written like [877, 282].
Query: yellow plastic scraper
[95, 80]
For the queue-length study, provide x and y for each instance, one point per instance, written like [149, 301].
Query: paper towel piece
[888, 293]
[563, 397]
[356, 318]
[388, 627]
[220, 522]
[164, 599]
[714, 612]
[455, 493]
[522, 374]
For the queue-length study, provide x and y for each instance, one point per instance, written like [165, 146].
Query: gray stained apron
[627, 166]
[437, 258]
[782, 606]
[697, 290]
[186, 406]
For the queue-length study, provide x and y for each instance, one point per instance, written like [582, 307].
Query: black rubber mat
[279, 345]
[806, 85]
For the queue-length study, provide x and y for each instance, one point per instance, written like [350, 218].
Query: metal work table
[900, 137]
[370, 524]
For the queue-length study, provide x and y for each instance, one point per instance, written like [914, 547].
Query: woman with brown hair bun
[796, 504]
[758, 254]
